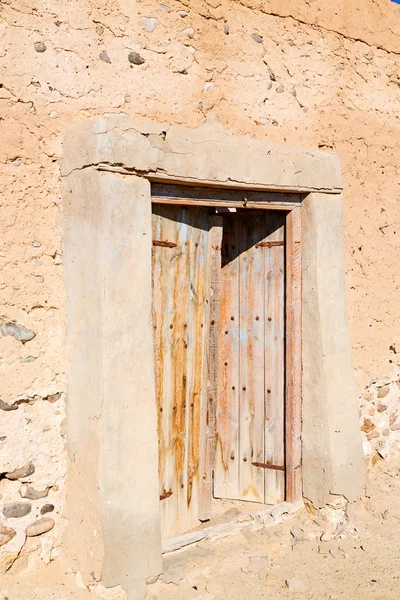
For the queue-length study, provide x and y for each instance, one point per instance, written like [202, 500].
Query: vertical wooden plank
[169, 293]
[208, 424]
[198, 284]
[274, 257]
[293, 356]
[227, 458]
[251, 383]
[181, 307]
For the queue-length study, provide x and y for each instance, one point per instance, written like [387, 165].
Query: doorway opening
[219, 319]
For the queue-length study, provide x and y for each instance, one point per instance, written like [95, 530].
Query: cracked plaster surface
[325, 75]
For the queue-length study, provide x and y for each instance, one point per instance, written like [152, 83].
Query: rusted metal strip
[164, 243]
[166, 494]
[268, 466]
[269, 244]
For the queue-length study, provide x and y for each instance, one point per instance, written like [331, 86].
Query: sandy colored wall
[313, 78]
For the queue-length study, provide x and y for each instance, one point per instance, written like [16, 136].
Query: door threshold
[268, 517]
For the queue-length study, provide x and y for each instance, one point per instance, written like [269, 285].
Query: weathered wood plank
[167, 276]
[274, 257]
[181, 194]
[197, 327]
[181, 280]
[293, 356]
[208, 425]
[251, 381]
[226, 470]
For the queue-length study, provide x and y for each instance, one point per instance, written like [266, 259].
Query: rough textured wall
[276, 75]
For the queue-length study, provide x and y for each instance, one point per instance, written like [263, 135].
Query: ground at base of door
[288, 560]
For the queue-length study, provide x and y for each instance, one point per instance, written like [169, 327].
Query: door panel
[181, 300]
[227, 457]
[274, 257]
[251, 356]
[250, 414]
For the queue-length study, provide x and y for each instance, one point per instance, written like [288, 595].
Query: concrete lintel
[332, 451]
[209, 155]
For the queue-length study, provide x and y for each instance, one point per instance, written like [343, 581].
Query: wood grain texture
[251, 352]
[208, 424]
[207, 196]
[226, 474]
[274, 260]
[250, 412]
[181, 289]
[293, 356]
[164, 318]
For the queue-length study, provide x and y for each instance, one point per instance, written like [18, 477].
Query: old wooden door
[249, 461]
[186, 241]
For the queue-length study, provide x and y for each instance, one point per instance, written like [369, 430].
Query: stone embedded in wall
[380, 419]
[40, 47]
[367, 426]
[52, 397]
[28, 492]
[7, 407]
[28, 359]
[7, 560]
[6, 534]
[16, 510]
[257, 38]
[104, 57]
[46, 509]
[24, 471]
[383, 391]
[40, 526]
[135, 58]
[149, 23]
[17, 331]
[189, 32]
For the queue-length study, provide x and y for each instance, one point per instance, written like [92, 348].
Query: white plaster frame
[111, 413]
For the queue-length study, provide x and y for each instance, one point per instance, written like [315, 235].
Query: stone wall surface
[315, 74]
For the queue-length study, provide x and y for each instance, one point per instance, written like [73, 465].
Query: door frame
[290, 203]
[108, 165]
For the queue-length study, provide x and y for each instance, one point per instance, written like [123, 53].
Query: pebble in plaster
[104, 57]
[40, 47]
[6, 534]
[149, 23]
[135, 58]
[257, 38]
[7, 407]
[40, 526]
[17, 331]
[21, 473]
[380, 419]
[16, 510]
[28, 492]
